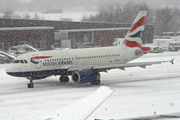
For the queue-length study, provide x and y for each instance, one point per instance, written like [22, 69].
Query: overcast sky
[72, 5]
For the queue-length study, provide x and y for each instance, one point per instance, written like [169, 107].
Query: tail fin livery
[135, 34]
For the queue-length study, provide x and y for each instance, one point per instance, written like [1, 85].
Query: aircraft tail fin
[134, 36]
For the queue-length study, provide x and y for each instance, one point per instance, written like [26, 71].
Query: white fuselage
[63, 59]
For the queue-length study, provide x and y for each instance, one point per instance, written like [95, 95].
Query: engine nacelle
[85, 76]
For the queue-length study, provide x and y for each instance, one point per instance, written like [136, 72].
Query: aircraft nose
[9, 70]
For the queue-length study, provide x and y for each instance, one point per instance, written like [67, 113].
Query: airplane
[84, 65]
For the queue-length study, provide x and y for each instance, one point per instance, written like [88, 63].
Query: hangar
[42, 34]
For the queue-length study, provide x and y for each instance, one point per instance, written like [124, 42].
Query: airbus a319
[84, 65]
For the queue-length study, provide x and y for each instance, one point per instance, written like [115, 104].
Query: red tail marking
[133, 44]
[139, 23]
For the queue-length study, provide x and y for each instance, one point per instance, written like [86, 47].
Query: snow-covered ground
[138, 92]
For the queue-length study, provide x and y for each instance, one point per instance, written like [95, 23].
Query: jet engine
[85, 76]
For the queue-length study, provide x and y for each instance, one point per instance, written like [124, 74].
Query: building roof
[95, 29]
[25, 28]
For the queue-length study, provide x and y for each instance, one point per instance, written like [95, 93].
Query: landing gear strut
[30, 85]
[96, 82]
[64, 79]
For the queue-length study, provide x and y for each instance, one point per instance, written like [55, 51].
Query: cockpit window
[16, 61]
[21, 61]
[25, 61]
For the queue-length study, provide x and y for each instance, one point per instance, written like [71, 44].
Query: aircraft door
[37, 62]
[125, 55]
[76, 60]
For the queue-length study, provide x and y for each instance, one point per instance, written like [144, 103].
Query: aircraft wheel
[61, 79]
[64, 79]
[30, 85]
[96, 82]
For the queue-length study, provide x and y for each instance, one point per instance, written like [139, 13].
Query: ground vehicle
[167, 44]
[156, 49]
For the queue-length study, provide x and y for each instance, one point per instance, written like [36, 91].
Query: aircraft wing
[112, 66]
[83, 108]
[6, 54]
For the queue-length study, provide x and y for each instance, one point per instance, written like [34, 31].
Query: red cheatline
[40, 57]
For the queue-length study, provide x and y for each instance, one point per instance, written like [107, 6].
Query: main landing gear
[64, 79]
[96, 82]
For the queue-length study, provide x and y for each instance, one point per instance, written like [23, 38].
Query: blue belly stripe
[42, 73]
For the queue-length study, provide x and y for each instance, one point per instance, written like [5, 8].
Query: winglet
[172, 61]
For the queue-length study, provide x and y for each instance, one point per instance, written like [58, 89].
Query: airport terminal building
[42, 34]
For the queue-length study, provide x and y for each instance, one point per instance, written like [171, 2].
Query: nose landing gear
[30, 85]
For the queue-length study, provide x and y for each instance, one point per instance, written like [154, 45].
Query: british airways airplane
[83, 65]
